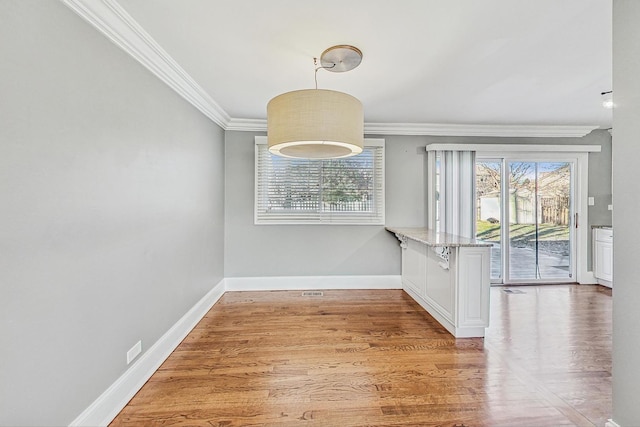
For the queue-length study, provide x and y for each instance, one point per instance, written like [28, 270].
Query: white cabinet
[440, 282]
[414, 267]
[447, 278]
[603, 256]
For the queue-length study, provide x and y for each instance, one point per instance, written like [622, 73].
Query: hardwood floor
[355, 358]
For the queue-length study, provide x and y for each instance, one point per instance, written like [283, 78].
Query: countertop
[432, 238]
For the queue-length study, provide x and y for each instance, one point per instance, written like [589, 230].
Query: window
[335, 191]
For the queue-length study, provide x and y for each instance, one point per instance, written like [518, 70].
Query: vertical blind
[452, 192]
[334, 191]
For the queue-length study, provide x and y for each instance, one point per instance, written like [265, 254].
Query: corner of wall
[107, 406]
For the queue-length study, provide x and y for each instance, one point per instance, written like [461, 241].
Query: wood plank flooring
[374, 358]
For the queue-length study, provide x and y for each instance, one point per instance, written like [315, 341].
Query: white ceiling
[487, 62]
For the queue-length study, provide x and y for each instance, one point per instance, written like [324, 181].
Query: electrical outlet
[134, 351]
[591, 201]
[610, 207]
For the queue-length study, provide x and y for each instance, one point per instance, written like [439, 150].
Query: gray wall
[271, 250]
[600, 178]
[111, 218]
[112, 222]
[316, 250]
[626, 202]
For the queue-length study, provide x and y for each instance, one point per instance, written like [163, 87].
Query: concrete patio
[552, 265]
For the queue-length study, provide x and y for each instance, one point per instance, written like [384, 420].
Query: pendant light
[318, 123]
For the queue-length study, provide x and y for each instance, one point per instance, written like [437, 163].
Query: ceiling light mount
[341, 58]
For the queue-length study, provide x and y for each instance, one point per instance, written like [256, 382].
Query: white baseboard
[587, 278]
[105, 408]
[290, 283]
[611, 423]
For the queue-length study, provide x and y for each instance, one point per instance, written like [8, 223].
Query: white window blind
[451, 191]
[335, 191]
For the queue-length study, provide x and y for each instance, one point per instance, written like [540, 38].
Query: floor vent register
[312, 294]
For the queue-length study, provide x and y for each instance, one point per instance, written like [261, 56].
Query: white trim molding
[611, 423]
[109, 404]
[247, 125]
[291, 283]
[516, 148]
[576, 154]
[436, 129]
[112, 20]
[105, 408]
[108, 17]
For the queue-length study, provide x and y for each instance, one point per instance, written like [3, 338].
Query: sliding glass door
[540, 220]
[489, 211]
[525, 209]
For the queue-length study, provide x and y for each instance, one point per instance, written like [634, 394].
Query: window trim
[347, 218]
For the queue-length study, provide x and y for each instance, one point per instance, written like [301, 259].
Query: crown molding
[438, 129]
[247, 125]
[516, 148]
[108, 17]
[434, 129]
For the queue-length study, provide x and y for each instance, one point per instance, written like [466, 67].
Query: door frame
[579, 196]
[578, 151]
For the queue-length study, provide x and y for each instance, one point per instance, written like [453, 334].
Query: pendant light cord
[315, 62]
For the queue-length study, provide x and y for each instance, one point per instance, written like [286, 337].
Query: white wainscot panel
[440, 287]
[473, 285]
[414, 267]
